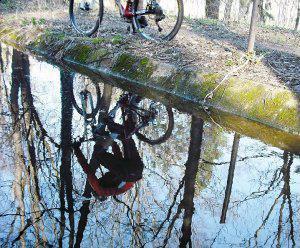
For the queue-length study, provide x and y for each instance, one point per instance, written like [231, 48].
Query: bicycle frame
[129, 13]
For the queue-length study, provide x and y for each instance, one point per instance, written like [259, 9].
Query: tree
[264, 7]
[252, 32]
[228, 8]
[66, 187]
[212, 8]
[235, 148]
[192, 166]
[298, 17]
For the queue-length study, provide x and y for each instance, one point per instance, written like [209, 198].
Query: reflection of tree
[281, 175]
[27, 102]
[94, 163]
[189, 181]
[20, 168]
[66, 182]
[230, 176]
[186, 204]
[24, 133]
[28, 137]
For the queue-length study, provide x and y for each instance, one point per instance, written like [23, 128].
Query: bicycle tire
[174, 31]
[95, 110]
[97, 24]
[164, 137]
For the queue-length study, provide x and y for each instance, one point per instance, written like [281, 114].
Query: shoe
[142, 21]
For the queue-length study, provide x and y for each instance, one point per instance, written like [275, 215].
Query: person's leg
[142, 19]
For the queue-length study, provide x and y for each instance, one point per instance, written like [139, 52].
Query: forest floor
[202, 44]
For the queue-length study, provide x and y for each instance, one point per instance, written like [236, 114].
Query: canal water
[71, 175]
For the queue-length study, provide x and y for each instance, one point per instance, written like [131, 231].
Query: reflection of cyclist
[123, 170]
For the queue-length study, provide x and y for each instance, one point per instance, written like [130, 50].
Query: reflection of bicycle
[155, 20]
[151, 121]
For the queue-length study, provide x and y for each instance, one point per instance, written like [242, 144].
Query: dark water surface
[204, 186]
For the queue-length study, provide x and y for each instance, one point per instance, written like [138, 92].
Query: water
[45, 198]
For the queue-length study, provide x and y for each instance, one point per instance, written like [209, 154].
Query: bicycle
[153, 122]
[162, 18]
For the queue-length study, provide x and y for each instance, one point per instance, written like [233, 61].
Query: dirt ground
[205, 45]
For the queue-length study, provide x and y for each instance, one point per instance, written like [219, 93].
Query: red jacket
[94, 181]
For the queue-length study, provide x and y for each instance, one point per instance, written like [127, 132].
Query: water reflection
[70, 178]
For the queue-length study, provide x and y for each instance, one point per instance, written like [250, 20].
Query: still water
[201, 186]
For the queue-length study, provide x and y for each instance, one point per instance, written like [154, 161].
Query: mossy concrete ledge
[270, 105]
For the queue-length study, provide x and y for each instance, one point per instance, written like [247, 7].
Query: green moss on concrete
[97, 55]
[124, 63]
[175, 82]
[266, 104]
[210, 81]
[134, 68]
[80, 52]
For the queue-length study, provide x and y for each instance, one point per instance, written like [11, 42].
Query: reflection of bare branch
[66, 150]
[285, 193]
[273, 184]
[181, 184]
[268, 215]
[280, 221]
[187, 203]
[288, 194]
[17, 138]
[172, 222]
[273, 154]
[134, 225]
[231, 169]
[12, 226]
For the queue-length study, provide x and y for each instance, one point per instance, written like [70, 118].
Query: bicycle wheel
[160, 129]
[86, 92]
[162, 19]
[86, 15]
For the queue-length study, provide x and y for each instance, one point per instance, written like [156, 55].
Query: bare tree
[298, 17]
[66, 153]
[19, 182]
[230, 177]
[189, 182]
[192, 165]
[212, 8]
[228, 8]
[253, 26]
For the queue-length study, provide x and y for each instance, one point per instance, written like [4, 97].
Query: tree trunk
[66, 153]
[253, 24]
[212, 8]
[228, 8]
[192, 165]
[261, 12]
[33, 182]
[230, 177]
[18, 185]
[298, 17]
